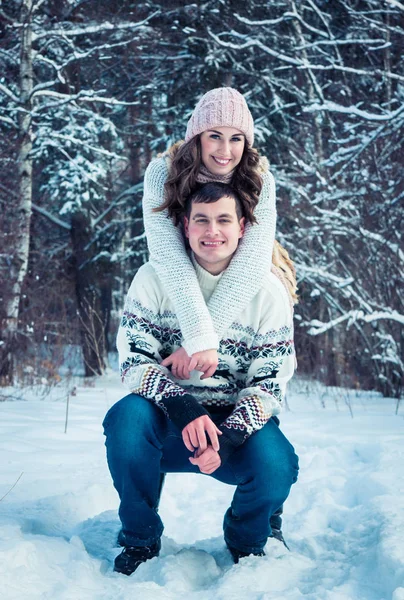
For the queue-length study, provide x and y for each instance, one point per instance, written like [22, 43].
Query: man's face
[213, 231]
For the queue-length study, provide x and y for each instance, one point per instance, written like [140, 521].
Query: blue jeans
[142, 443]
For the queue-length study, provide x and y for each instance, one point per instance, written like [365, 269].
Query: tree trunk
[23, 208]
[387, 59]
[91, 322]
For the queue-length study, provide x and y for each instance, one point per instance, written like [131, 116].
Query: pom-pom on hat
[221, 107]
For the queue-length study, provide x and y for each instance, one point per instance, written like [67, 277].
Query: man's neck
[213, 269]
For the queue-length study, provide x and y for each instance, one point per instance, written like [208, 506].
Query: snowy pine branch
[74, 141]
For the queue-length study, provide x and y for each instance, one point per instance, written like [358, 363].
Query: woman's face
[222, 149]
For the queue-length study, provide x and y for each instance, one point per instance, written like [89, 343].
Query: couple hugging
[206, 338]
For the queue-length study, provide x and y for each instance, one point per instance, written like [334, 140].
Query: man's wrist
[183, 409]
[230, 441]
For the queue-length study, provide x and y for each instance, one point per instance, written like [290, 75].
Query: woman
[218, 146]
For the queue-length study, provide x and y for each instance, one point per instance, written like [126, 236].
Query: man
[222, 425]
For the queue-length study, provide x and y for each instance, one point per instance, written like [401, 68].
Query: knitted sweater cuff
[200, 343]
[182, 410]
[229, 441]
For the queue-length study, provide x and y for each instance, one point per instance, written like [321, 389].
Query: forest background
[90, 92]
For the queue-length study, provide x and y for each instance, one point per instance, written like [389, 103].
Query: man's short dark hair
[212, 192]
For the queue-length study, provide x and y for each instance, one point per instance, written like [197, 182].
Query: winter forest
[90, 92]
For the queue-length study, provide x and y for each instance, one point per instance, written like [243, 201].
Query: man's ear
[186, 227]
[242, 227]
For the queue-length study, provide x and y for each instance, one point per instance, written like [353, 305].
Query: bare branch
[318, 327]
[285, 17]
[396, 4]
[9, 121]
[51, 217]
[135, 189]
[85, 96]
[354, 111]
[253, 43]
[368, 73]
[37, 5]
[76, 56]
[95, 28]
[12, 487]
[365, 42]
[9, 93]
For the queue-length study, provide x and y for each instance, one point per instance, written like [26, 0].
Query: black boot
[278, 535]
[237, 554]
[131, 557]
[276, 526]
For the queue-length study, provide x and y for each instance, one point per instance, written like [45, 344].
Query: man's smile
[213, 244]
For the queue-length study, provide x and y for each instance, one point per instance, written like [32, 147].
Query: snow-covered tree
[64, 147]
[113, 84]
[327, 81]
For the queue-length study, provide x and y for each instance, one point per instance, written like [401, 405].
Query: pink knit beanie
[221, 107]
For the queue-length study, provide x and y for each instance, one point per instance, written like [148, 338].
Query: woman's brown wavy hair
[186, 160]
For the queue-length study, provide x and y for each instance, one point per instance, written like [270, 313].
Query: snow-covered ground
[344, 520]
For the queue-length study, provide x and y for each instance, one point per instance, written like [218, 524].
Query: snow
[344, 519]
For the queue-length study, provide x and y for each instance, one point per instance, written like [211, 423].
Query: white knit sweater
[256, 354]
[202, 325]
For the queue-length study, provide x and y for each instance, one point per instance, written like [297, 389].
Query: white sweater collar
[207, 281]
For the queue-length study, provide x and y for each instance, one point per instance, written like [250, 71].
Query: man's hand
[207, 461]
[179, 362]
[205, 361]
[194, 434]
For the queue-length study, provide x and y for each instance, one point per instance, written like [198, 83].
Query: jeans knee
[280, 466]
[292, 464]
[132, 414]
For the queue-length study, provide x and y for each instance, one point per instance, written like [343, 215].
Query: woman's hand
[181, 365]
[179, 362]
[205, 361]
